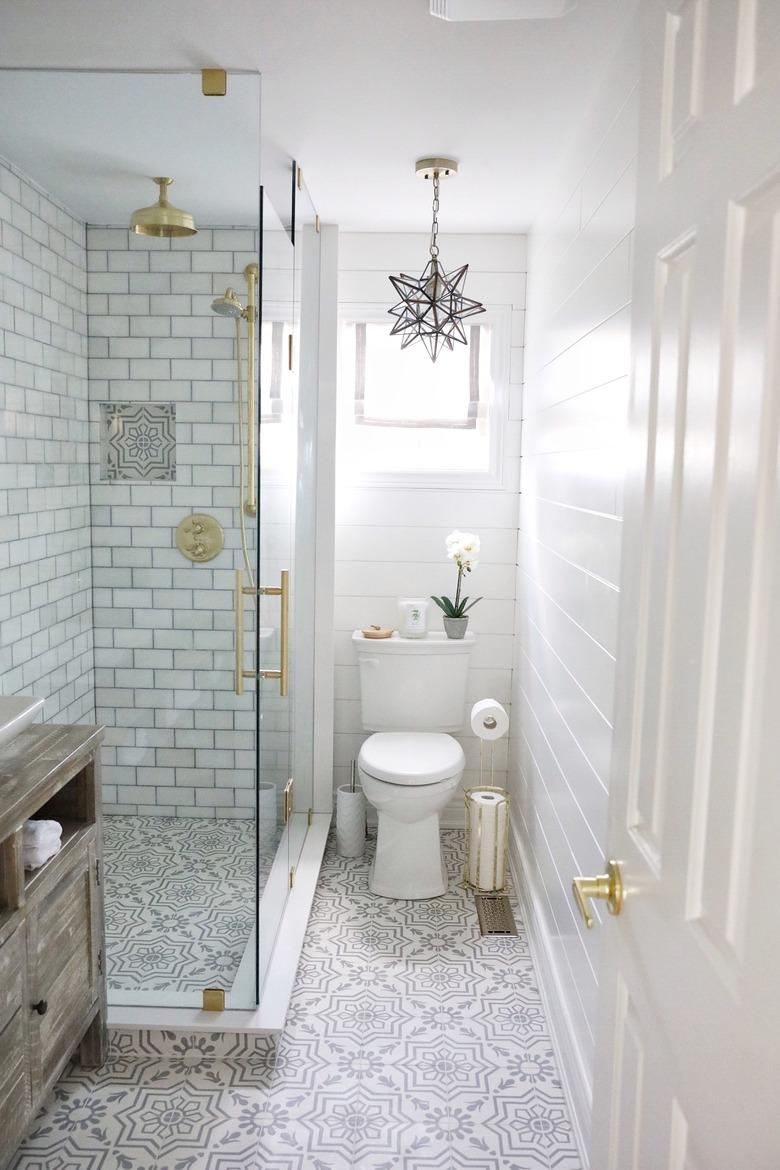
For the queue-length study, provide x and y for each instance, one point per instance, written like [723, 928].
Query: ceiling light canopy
[433, 306]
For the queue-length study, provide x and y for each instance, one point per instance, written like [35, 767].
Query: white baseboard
[573, 1070]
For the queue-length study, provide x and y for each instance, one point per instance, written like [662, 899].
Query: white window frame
[498, 317]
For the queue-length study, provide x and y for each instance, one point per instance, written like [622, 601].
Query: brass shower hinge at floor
[213, 999]
[310, 817]
[292, 877]
[494, 914]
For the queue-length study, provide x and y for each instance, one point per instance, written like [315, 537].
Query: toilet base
[408, 862]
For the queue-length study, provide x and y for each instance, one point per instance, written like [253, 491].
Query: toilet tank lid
[434, 642]
[411, 757]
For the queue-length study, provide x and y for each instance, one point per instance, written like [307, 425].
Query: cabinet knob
[41, 1007]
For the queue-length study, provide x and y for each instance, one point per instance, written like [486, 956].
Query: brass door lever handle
[606, 886]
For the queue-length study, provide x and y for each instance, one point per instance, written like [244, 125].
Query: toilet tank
[413, 684]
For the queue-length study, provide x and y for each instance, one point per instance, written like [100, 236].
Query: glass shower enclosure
[161, 366]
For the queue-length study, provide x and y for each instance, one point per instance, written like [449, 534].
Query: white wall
[45, 568]
[574, 419]
[390, 540]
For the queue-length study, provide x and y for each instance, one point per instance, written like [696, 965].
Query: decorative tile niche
[137, 440]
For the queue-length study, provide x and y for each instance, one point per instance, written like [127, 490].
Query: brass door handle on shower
[608, 887]
[282, 591]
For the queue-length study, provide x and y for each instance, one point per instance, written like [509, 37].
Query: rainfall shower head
[162, 219]
[228, 306]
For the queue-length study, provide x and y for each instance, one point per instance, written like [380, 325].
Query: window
[273, 369]
[402, 415]
[278, 414]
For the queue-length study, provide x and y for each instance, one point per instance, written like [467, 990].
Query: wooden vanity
[52, 949]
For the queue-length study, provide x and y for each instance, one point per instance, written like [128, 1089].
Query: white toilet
[412, 691]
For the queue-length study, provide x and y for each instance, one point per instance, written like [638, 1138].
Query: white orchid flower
[463, 549]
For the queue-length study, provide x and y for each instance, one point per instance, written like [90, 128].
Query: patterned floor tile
[411, 1044]
[180, 898]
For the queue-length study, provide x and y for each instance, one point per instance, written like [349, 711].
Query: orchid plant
[463, 549]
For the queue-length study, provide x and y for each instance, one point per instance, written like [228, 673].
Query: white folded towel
[36, 856]
[39, 831]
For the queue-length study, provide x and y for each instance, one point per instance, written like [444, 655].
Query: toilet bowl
[409, 777]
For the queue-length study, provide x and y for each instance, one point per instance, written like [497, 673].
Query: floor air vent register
[495, 914]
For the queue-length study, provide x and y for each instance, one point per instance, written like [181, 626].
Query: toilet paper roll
[487, 813]
[489, 720]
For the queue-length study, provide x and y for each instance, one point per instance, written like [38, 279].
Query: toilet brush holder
[350, 819]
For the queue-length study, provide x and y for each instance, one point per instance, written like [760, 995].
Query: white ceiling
[93, 140]
[357, 89]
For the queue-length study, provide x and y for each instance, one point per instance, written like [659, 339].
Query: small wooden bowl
[377, 632]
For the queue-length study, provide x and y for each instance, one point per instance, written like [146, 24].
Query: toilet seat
[411, 758]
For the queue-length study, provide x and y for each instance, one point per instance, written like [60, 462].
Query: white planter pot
[350, 821]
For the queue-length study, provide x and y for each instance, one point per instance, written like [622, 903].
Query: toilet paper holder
[487, 807]
[487, 839]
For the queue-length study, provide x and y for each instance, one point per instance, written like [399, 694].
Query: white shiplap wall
[390, 540]
[574, 431]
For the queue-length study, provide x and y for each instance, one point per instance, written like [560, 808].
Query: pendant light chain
[433, 306]
[435, 223]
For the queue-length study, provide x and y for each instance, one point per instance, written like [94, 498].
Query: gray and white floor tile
[180, 896]
[411, 1044]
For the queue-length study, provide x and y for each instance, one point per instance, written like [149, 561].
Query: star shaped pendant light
[433, 306]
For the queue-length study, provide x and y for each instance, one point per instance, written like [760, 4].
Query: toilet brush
[350, 817]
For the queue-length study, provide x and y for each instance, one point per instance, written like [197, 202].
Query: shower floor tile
[180, 896]
[412, 1043]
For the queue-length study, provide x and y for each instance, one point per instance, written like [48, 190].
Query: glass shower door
[129, 340]
[276, 644]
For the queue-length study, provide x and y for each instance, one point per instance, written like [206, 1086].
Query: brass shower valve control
[200, 537]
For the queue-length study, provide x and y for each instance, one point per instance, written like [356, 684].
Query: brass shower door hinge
[213, 999]
[213, 82]
[292, 877]
[309, 817]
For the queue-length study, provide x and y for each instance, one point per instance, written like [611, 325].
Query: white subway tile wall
[390, 540]
[568, 574]
[45, 569]
[179, 742]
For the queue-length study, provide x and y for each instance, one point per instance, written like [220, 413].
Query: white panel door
[688, 1068]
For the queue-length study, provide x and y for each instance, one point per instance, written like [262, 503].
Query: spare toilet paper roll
[489, 720]
[487, 839]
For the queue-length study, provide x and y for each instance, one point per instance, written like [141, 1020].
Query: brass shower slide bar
[282, 591]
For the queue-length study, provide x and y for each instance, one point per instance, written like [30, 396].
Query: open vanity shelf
[52, 970]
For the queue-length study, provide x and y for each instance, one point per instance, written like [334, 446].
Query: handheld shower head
[228, 305]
